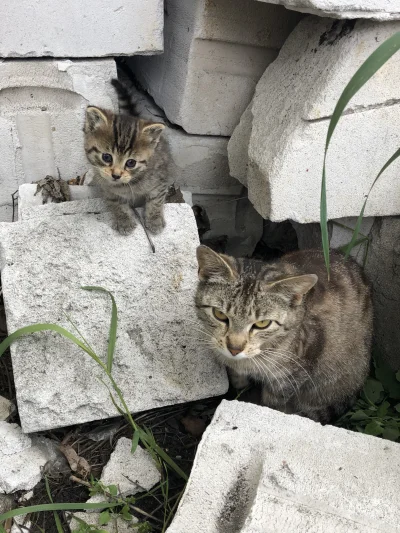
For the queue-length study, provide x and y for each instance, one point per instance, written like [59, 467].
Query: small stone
[116, 525]
[6, 503]
[131, 473]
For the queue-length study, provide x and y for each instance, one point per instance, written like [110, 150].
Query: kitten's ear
[95, 117]
[296, 286]
[213, 266]
[153, 131]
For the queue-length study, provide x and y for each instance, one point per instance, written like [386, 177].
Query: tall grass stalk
[370, 66]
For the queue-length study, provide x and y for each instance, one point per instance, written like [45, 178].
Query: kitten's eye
[219, 315]
[107, 158]
[262, 324]
[131, 163]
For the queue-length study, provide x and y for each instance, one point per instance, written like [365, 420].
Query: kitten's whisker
[280, 369]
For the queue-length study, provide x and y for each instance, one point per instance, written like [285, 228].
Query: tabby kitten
[306, 339]
[131, 159]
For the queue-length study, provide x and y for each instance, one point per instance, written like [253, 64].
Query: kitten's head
[119, 146]
[247, 307]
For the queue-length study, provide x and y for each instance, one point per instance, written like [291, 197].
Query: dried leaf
[77, 464]
[194, 425]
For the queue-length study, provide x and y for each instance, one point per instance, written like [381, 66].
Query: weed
[376, 412]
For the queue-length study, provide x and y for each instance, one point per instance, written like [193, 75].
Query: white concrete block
[261, 471]
[289, 126]
[45, 261]
[75, 29]
[214, 54]
[21, 458]
[42, 107]
[131, 473]
[345, 9]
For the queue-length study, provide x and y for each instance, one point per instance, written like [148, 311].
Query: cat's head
[247, 308]
[119, 146]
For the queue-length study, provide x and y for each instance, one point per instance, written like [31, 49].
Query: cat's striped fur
[131, 158]
[313, 357]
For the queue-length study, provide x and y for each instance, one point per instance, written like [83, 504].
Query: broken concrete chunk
[131, 473]
[160, 357]
[21, 458]
[289, 127]
[261, 471]
[5, 408]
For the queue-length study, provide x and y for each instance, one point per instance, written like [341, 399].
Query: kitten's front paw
[155, 225]
[125, 226]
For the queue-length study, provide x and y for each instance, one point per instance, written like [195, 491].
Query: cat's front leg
[124, 221]
[154, 212]
[239, 381]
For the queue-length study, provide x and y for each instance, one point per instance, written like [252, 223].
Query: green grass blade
[324, 219]
[59, 527]
[135, 441]
[56, 507]
[112, 337]
[47, 327]
[360, 216]
[370, 66]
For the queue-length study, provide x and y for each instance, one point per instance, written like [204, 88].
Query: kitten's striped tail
[126, 105]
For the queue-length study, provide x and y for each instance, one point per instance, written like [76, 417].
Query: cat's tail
[126, 104]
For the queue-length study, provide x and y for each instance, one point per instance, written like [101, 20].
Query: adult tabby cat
[130, 157]
[282, 323]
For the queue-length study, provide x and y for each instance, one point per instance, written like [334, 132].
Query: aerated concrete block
[42, 108]
[292, 106]
[160, 358]
[214, 54]
[80, 29]
[261, 471]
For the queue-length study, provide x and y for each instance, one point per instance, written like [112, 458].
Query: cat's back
[345, 294]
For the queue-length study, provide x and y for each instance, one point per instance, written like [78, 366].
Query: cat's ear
[213, 266]
[152, 131]
[296, 286]
[95, 117]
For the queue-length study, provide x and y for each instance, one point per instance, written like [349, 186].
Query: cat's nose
[234, 351]
[116, 177]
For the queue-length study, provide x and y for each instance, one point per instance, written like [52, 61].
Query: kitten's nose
[116, 176]
[234, 351]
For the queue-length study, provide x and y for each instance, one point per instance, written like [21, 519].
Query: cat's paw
[125, 226]
[155, 224]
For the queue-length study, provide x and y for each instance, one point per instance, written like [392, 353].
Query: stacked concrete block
[290, 114]
[214, 54]
[80, 29]
[261, 471]
[42, 107]
[345, 9]
[45, 260]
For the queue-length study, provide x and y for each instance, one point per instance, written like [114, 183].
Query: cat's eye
[219, 315]
[262, 324]
[107, 158]
[131, 163]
